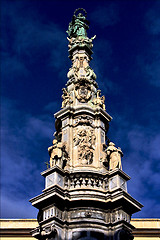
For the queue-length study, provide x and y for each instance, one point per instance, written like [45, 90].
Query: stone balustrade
[82, 181]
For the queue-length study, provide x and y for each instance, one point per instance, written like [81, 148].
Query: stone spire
[83, 121]
[85, 191]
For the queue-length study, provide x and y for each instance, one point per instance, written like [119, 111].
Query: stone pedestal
[81, 204]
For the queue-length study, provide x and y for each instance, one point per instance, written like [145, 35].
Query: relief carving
[80, 41]
[83, 91]
[90, 74]
[84, 120]
[85, 138]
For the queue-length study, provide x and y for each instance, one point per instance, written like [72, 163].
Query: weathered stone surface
[85, 195]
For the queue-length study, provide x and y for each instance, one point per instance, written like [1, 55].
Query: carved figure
[81, 69]
[84, 120]
[67, 99]
[99, 101]
[114, 154]
[85, 139]
[58, 154]
[52, 233]
[79, 24]
[80, 41]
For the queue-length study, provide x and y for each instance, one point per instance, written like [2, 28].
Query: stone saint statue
[114, 155]
[67, 99]
[55, 152]
[79, 25]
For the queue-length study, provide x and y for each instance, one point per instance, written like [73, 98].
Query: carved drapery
[84, 139]
[67, 99]
[114, 155]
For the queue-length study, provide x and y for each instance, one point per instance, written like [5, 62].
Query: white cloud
[140, 145]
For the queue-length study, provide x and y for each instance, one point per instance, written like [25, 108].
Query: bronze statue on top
[79, 24]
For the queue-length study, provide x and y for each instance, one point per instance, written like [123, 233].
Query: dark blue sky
[34, 64]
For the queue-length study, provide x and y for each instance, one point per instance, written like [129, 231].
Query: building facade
[20, 229]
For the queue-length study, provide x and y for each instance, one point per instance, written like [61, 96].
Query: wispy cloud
[101, 67]
[149, 63]
[140, 145]
[22, 157]
[149, 60]
[17, 208]
[34, 54]
[105, 15]
[27, 42]
[152, 19]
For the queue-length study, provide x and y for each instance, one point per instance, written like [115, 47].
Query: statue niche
[114, 156]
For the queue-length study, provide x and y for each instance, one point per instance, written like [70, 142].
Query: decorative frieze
[83, 120]
[88, 213]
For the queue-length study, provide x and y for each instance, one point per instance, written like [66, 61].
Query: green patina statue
[79, 24]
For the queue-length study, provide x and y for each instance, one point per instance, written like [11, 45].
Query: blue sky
[34, 65]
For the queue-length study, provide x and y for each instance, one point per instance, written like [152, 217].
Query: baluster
[94, 183]
[75, 182]
[80, 179]
[86, 181]
[100, 183]
[72, 183]
[66, 183]
[106, 184]
[83, 182]
[89, 182]
[78, 183]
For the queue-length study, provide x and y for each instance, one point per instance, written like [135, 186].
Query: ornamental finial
[79, 25]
